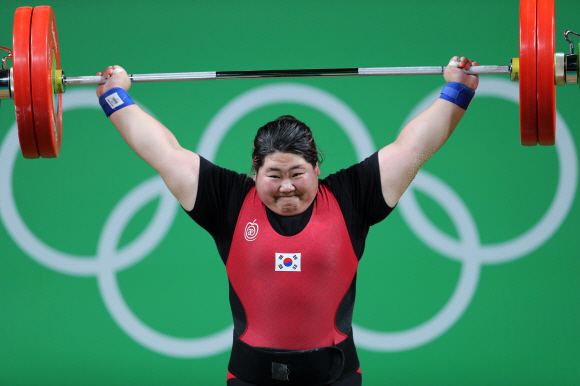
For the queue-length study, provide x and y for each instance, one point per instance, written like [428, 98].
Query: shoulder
[358, 190]
[211, 171]
[220, 187]
[366, 171]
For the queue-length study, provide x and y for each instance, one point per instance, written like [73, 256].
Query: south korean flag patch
[289, 262]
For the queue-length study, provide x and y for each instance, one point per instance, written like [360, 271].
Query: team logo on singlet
[251, 231]
[289, 262]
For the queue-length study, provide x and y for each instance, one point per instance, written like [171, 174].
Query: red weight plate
[21, 79]
[546, 38]
[528, 104]
[44, 59]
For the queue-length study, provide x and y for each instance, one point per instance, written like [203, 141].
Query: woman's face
[286, 183]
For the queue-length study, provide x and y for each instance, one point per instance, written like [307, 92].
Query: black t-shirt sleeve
[359, 195]
[220, 195]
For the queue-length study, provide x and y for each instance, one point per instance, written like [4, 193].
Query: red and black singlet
[291, 287]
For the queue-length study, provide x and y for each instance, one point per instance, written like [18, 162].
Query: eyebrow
[279, 170]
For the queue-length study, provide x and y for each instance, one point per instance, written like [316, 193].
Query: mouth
[286, 197]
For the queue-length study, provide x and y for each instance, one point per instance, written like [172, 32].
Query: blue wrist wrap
[115, 99]
[457, 93]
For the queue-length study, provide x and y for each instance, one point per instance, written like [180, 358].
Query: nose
[287, 186]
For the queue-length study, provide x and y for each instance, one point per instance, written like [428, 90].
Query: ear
[317, 169]
[254, 177]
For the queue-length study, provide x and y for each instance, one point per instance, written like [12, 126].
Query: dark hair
[285, 135]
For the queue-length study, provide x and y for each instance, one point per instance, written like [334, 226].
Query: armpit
[420, 161]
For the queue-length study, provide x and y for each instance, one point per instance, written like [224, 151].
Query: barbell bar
[317, 72]
[36, 81]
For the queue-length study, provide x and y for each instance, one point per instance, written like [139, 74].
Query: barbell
[36, 81]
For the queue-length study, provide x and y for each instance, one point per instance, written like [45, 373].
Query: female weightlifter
[282, 230]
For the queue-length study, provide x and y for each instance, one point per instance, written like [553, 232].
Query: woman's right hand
[115, 76]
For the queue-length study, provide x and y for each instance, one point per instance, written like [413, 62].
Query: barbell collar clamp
[514, 68]
[6, 84]
[571, 69]
[560, 69]
[58, 81]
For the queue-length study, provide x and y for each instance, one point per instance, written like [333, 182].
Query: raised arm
[154, 143]
[422, 137]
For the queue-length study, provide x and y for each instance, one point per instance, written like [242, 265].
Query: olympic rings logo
[467, 249]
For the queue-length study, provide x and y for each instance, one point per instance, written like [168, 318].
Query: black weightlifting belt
[269, 366]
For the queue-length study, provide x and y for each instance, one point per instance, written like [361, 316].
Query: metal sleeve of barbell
[142, 78]
[434, 70]
[377, 71]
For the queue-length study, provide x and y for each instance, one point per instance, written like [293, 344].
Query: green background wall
[459, 309]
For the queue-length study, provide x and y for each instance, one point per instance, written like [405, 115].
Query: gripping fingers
[455, 61]
[113, 70]
[468, 64]
[462, 62]
[110, 71]
[458, 61]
